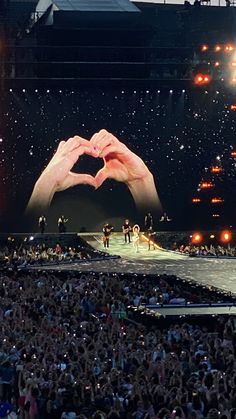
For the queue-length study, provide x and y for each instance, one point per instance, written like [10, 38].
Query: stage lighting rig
[202, 79]
[196, 238]
[217, 200]
[206, 185]
[216, 169]
[229, 48]
[226, 236]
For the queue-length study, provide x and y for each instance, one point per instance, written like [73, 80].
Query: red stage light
[202, 79]
[196, 238]
[216, 169]
[196, 200]
[217, 48]
[233, 107]
[217, 200]
[206, 185]
[204, 48]
[226, 236]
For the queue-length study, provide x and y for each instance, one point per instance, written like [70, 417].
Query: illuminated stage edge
[219, 273]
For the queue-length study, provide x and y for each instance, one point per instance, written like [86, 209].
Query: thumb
[101, 176]
[81, 179]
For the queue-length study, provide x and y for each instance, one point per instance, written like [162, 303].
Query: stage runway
[220, 273]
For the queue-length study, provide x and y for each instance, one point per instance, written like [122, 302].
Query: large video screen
[102, 155]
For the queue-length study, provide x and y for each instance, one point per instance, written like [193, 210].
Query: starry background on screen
[179, 135]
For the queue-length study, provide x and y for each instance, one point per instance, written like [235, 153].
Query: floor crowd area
[70, 349]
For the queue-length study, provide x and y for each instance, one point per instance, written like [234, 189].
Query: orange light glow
[206, 185]
[217, 200]
[196, 238]
[202, 79]
[233, 64]
[199, 79]
[204, 48]
[226, 236]
[233, 107]
[233, 153]
[217, 63]
[233, 80]
[217, 48]
[229, 48]
[196, 200]
[216, 169]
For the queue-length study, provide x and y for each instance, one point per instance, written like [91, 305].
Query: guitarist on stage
[126, 228]
[107, 229]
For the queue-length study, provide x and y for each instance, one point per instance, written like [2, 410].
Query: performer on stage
[42, 224]
[165, 218]
[150, 239]
[107, 229]
[148, 221]
[135, 239]
[62, 224]
[126, 228]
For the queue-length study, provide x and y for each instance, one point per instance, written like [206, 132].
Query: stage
[220, 273]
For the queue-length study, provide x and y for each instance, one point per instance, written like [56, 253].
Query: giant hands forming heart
[119, 162]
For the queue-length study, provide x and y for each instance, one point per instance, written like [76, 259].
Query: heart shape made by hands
[120, 163]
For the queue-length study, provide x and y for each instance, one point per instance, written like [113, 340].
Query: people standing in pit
[107, 229]
[62, 224]
[42, 224]
[136, 231]
[126, 228]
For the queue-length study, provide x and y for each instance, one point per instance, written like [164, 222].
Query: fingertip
[94, 136]
[103, 131]
[61, 144]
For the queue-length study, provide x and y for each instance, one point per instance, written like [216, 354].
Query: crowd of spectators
[70, 349]
[23, 255]
[207, 250]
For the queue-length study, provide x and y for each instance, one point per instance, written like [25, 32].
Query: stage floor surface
[220, 273]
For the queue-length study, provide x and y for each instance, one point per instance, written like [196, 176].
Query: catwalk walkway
[220, 273]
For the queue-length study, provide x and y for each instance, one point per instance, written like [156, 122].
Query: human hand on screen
[123, 165]
[57, 176]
